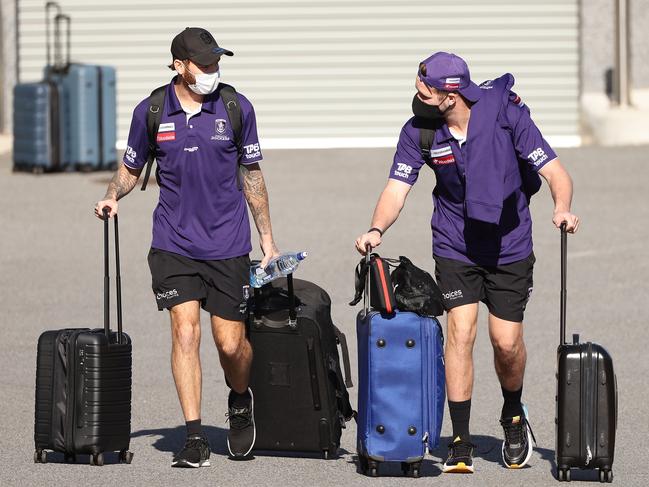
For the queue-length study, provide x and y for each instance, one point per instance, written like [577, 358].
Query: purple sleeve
[528, 141]
[137, 147]
[407, 159]
[249, 137]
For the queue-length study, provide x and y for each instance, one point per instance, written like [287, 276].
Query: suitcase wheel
[563, 475]
[606, 476]
[40, 456]
[97, 459]
[125, 456]
[368, 467]
[325, 454]
[372, 468]
[411, 469]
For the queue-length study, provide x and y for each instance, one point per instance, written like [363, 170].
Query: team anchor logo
[220, 128]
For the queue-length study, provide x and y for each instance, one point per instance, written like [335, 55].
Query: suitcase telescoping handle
[366, 294]
[62, 63]
[292, 313]
[118, 280]
[564, 292]
[48, 19]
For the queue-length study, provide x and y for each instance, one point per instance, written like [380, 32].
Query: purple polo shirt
[201, 213]
[454, 235]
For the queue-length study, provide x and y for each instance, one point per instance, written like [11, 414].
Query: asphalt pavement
[51, 271]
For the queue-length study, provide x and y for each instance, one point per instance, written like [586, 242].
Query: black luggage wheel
[40, 456]
[125, 456]
[606, 476]
[411, 469]
[563, 475]
[97, 459]
[367, 466]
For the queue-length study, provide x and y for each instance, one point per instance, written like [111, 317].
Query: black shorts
[221, 286]
[505, 289]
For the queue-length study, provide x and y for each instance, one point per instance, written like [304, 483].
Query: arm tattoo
[254, 188]
[122, 183]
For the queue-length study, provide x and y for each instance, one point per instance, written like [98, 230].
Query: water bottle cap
[302, 255]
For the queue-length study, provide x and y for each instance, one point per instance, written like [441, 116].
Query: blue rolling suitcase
[89, 109]
[401, 391]
[37, 125]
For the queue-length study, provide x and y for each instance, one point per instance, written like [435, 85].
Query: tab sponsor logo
[251, 151]
[130, 154]
[537, 156]
[403, 170]
[191, 149]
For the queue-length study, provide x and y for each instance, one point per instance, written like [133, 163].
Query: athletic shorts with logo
[221, 286]
[505, 289]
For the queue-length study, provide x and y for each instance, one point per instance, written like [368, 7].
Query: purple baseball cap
[448, 72]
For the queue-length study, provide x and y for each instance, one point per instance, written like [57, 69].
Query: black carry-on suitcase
[301, 399]
[586, 409]
[83, 385]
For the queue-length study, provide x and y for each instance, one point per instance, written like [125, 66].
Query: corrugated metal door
[332, 72]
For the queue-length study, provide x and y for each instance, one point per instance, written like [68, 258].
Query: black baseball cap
[197, 45]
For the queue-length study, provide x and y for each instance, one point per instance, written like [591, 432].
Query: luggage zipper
[588, 386]
[71, 399]
[426, 393]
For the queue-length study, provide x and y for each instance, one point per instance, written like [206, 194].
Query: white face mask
[206, 83]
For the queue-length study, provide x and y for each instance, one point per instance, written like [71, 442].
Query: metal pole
[621, 82]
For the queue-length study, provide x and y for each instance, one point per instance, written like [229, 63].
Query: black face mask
[423, 110]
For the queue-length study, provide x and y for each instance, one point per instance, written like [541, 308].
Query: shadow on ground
[173, 439]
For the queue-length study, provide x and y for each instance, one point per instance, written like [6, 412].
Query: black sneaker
[195, 453]
[460, 457]
[242, 434]
[517, 447]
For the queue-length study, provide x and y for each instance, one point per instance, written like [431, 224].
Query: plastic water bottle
[280, 266]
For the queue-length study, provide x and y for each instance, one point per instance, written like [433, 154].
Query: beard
[188, 77]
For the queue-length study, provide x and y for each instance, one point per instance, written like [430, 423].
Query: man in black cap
[201, 233]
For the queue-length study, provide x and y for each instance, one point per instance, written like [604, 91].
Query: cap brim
[210, 57]
[471, 92]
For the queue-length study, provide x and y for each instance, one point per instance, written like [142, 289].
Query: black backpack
[228, 96]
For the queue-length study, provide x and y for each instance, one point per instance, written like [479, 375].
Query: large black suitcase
[301, 399]
[83, 386]
[586, 408]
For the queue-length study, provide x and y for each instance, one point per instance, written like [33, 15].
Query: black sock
[460, 415]
[239, 400]
[193, 427]
[512, 405]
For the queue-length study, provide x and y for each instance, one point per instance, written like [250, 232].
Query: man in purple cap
[201, 233]
[486, 153]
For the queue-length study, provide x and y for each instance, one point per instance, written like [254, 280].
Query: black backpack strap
[153, 118]
[425, 142]
[359, 281]
[230, 100]
[342, 341]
